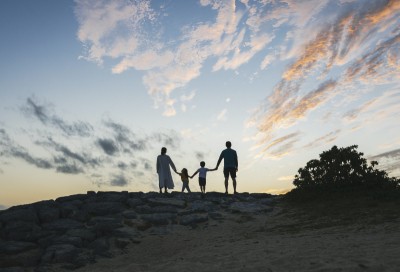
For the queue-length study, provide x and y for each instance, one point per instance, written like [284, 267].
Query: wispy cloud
[111, 154]
[327, 138]
[334, 51]
[389, 161]
[44, 113]
[222, 115]
[286, 178]
[11, 149]
[324, 36]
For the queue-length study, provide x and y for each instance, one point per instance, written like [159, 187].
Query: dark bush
[342, 168]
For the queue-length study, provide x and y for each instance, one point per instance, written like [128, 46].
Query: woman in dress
[164, 172]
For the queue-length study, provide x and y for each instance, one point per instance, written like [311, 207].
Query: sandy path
[278, 241]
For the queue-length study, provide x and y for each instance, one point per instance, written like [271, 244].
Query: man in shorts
[230, 165]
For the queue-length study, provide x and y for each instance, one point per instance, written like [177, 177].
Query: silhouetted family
[164, 165]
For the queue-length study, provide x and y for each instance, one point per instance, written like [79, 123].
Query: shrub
[342, 167]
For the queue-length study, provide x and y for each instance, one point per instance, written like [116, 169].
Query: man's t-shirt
[230, 158]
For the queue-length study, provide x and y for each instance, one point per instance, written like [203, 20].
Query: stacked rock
[74, 230]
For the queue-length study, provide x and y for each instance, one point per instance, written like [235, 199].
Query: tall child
[202, 176]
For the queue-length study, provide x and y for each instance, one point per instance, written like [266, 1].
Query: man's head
[163, 150]
[228, 144]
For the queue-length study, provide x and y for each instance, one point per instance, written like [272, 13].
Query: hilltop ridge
[75, 230]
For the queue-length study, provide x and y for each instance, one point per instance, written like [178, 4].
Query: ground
[350, 236]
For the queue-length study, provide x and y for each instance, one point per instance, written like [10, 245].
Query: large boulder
[14, 247]
[168, 201]
[17, 254]
[160, 218]
[134, 202]
[48, 214]
[191, 219]
[62, 225]
[129, 214]
[112, 196]
[103, 208]
[80, 197]
[86, 235]
[17, 213]
[103, 225]
[21, 231]
[100, 247]
[60, 253]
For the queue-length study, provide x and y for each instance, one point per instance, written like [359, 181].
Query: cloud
[111, 28]
[286, 178]
[199, 155]
[45, 115]
[222, 115]
[170, 138]
[65, 151]
[13, 150]
[125, 140]
[67, 161]
[147, 165]
[362, 40]
[119, 180]
[327, 138]
[280, 147]
[24, 155]
[122, 165]
[284, 110]
[277, 191]
[118, 31]
[281, 140]
[389, 161]
[185, 99]
[393, 154]
[69, 169]
[267, 61]
[108, 146]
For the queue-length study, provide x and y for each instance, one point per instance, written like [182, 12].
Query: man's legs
[234, 185]
[226, 185]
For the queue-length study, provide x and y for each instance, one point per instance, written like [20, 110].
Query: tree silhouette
[339, 167]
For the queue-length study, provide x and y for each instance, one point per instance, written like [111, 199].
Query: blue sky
[91, 90]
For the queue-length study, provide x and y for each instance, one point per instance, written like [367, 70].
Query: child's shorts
[202, 181]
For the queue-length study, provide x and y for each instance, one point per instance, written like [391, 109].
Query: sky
[90, 90]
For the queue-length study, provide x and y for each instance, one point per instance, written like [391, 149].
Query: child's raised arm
[213, 169]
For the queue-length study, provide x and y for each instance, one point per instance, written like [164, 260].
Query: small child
[185, 179]
[202, 176]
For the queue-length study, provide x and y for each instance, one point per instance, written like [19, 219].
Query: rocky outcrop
[77, 229]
